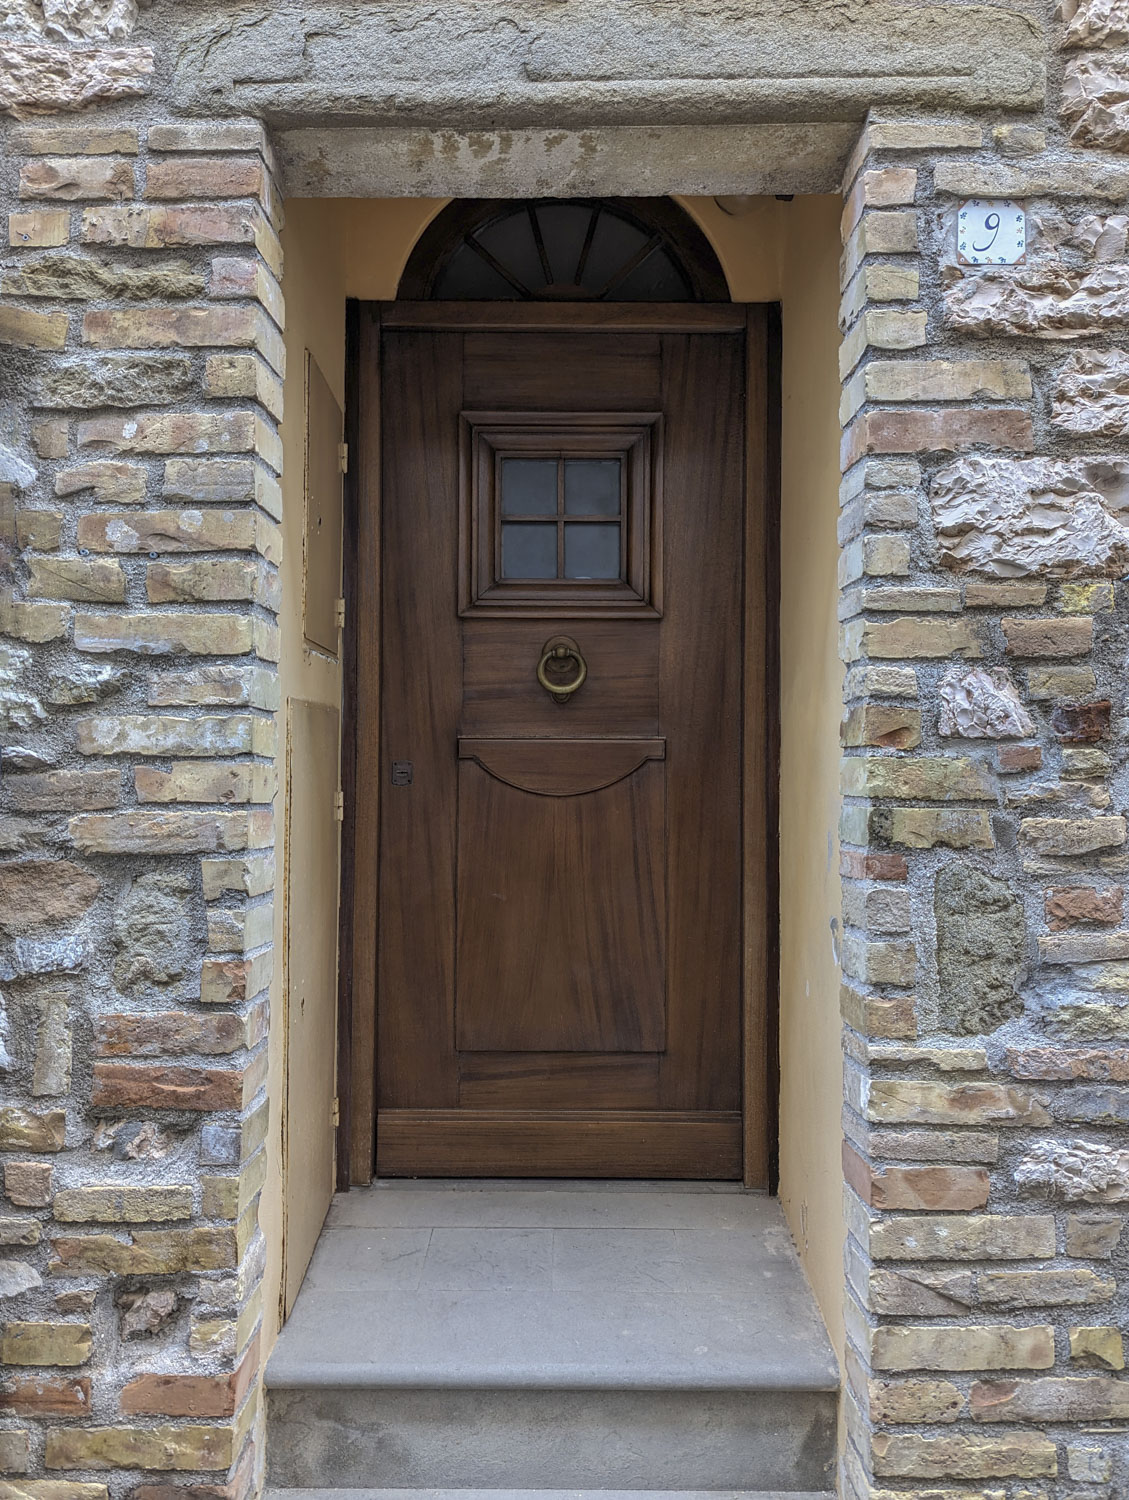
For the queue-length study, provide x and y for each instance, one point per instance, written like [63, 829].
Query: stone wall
[140, 392]
[985, 947]
[985, 533]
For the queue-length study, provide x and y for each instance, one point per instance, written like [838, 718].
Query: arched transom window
[564, 250]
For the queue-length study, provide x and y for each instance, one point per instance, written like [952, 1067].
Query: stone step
[563, 1343]
[296, 1494]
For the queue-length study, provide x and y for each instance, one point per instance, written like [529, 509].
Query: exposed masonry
[985, 531]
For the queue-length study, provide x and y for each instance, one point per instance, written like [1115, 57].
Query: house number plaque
[991, 232]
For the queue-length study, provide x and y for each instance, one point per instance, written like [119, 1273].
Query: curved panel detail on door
[561, 768]
[562, 902]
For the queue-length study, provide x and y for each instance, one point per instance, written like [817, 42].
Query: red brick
[129, 1086]
[919, 431]
[859, 866]
[1068, 905]
[192, 1395]
[1084, 723]
[1019, 757]
[46, 1396]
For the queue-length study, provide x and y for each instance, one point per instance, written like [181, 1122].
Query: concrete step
[469, 1341]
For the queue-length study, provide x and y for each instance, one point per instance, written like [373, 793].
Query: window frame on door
[488, 439]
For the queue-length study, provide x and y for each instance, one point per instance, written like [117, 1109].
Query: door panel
[560, 897]
[562, 913]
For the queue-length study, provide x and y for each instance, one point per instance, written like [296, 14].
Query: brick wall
[141, 349]
[986, 950]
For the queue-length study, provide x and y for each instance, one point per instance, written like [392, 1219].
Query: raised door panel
[561, 915]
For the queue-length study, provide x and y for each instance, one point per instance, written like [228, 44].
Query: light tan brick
[74, 177]
[1056, 636]
[164, 1448]
[982, 1348]
[96, 580]
[1070, 837]
[912, 638]
[33, 622]
[27, 329]
[934, 827]
[185, 327]
[917, 778]
[157, 633]
[46, 1344]
[881, 328]
[113, 483]
[1026, 1455]
[39, 229]
[147, 831]
[242, 376]
[75, 140]
[914, 1102]
[122, 1205]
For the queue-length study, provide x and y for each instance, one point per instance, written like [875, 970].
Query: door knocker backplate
[562, 669]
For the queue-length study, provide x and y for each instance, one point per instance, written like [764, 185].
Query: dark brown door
[560, 860]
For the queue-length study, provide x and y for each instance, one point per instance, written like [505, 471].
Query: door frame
[357, 997]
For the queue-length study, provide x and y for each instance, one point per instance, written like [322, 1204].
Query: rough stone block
[115, 381]
[69, 276]
[74, 177]
[31, 1130]
[1071, 837]
[28, 1183]
[1070, 906]
[981, 941]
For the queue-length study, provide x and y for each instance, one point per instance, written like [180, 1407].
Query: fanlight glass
[563, 251]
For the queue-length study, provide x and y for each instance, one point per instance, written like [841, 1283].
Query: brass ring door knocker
[558, 651]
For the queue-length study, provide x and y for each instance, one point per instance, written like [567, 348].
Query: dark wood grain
[562, 907]
[560, 768]
[502, 698]
[558, 1080]
[566, 371]
[458, 1143]
[421, 691]
[701, 679]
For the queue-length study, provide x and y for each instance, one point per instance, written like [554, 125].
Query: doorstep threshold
[555, 1286]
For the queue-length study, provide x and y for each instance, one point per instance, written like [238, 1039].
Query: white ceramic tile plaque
[991, 232]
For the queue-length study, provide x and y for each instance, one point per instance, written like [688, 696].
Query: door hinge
[343, 457]
[339, 806]
[339, 613]
[337, 1111]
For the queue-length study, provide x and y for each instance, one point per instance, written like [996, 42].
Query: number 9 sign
[991, 232]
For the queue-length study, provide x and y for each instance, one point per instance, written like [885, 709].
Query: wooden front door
[560, 963]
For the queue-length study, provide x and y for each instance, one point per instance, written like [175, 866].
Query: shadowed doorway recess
[562, 731]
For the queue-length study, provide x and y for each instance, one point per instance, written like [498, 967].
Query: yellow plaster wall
[315, 320]
[770, 251]
[810, 697]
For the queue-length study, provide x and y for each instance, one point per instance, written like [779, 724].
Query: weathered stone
[113, 483]
[133, 1140]
[26, 329]
[144, 1311]
[1088, 1463]
[71, 177]
[1103, 1347]
[1070, 837]
[1095, 23]
[934, 828]
[1048, 301]
[122, 1205]
[191, 1448]
[16, 1277]
[85, 580]
[67, 277]
[39, 79]
[19, 1231]
[65, 791]
[31, 1130]
[146, 1252]
[41, 228]
[46, 1344]
[1080, 1021]
[1026, 1455]
[151, 929]
[981, 937]
[28, 1183]
[1076, 1171]
[1095, 100]
[115, 380]
[166, 734]
[922, 1103]
[51, 1075]
[1091, 393]
[1092, 1238]
[39, 891]
[982, 704]
[84, 682]
[982, 1348]
[1015, 517]
[164, 633]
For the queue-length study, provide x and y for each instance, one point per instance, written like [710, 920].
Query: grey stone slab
[631, 62]
[529, 1207]
[522, 1439]
[343, 1494]
[391, 161]
[680, 1260]
[489, 1260]
[503, 1339]
[368, 1259]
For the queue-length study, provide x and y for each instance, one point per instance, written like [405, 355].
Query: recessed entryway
[563, 716]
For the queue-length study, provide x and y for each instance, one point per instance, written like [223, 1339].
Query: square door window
[561, 514]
